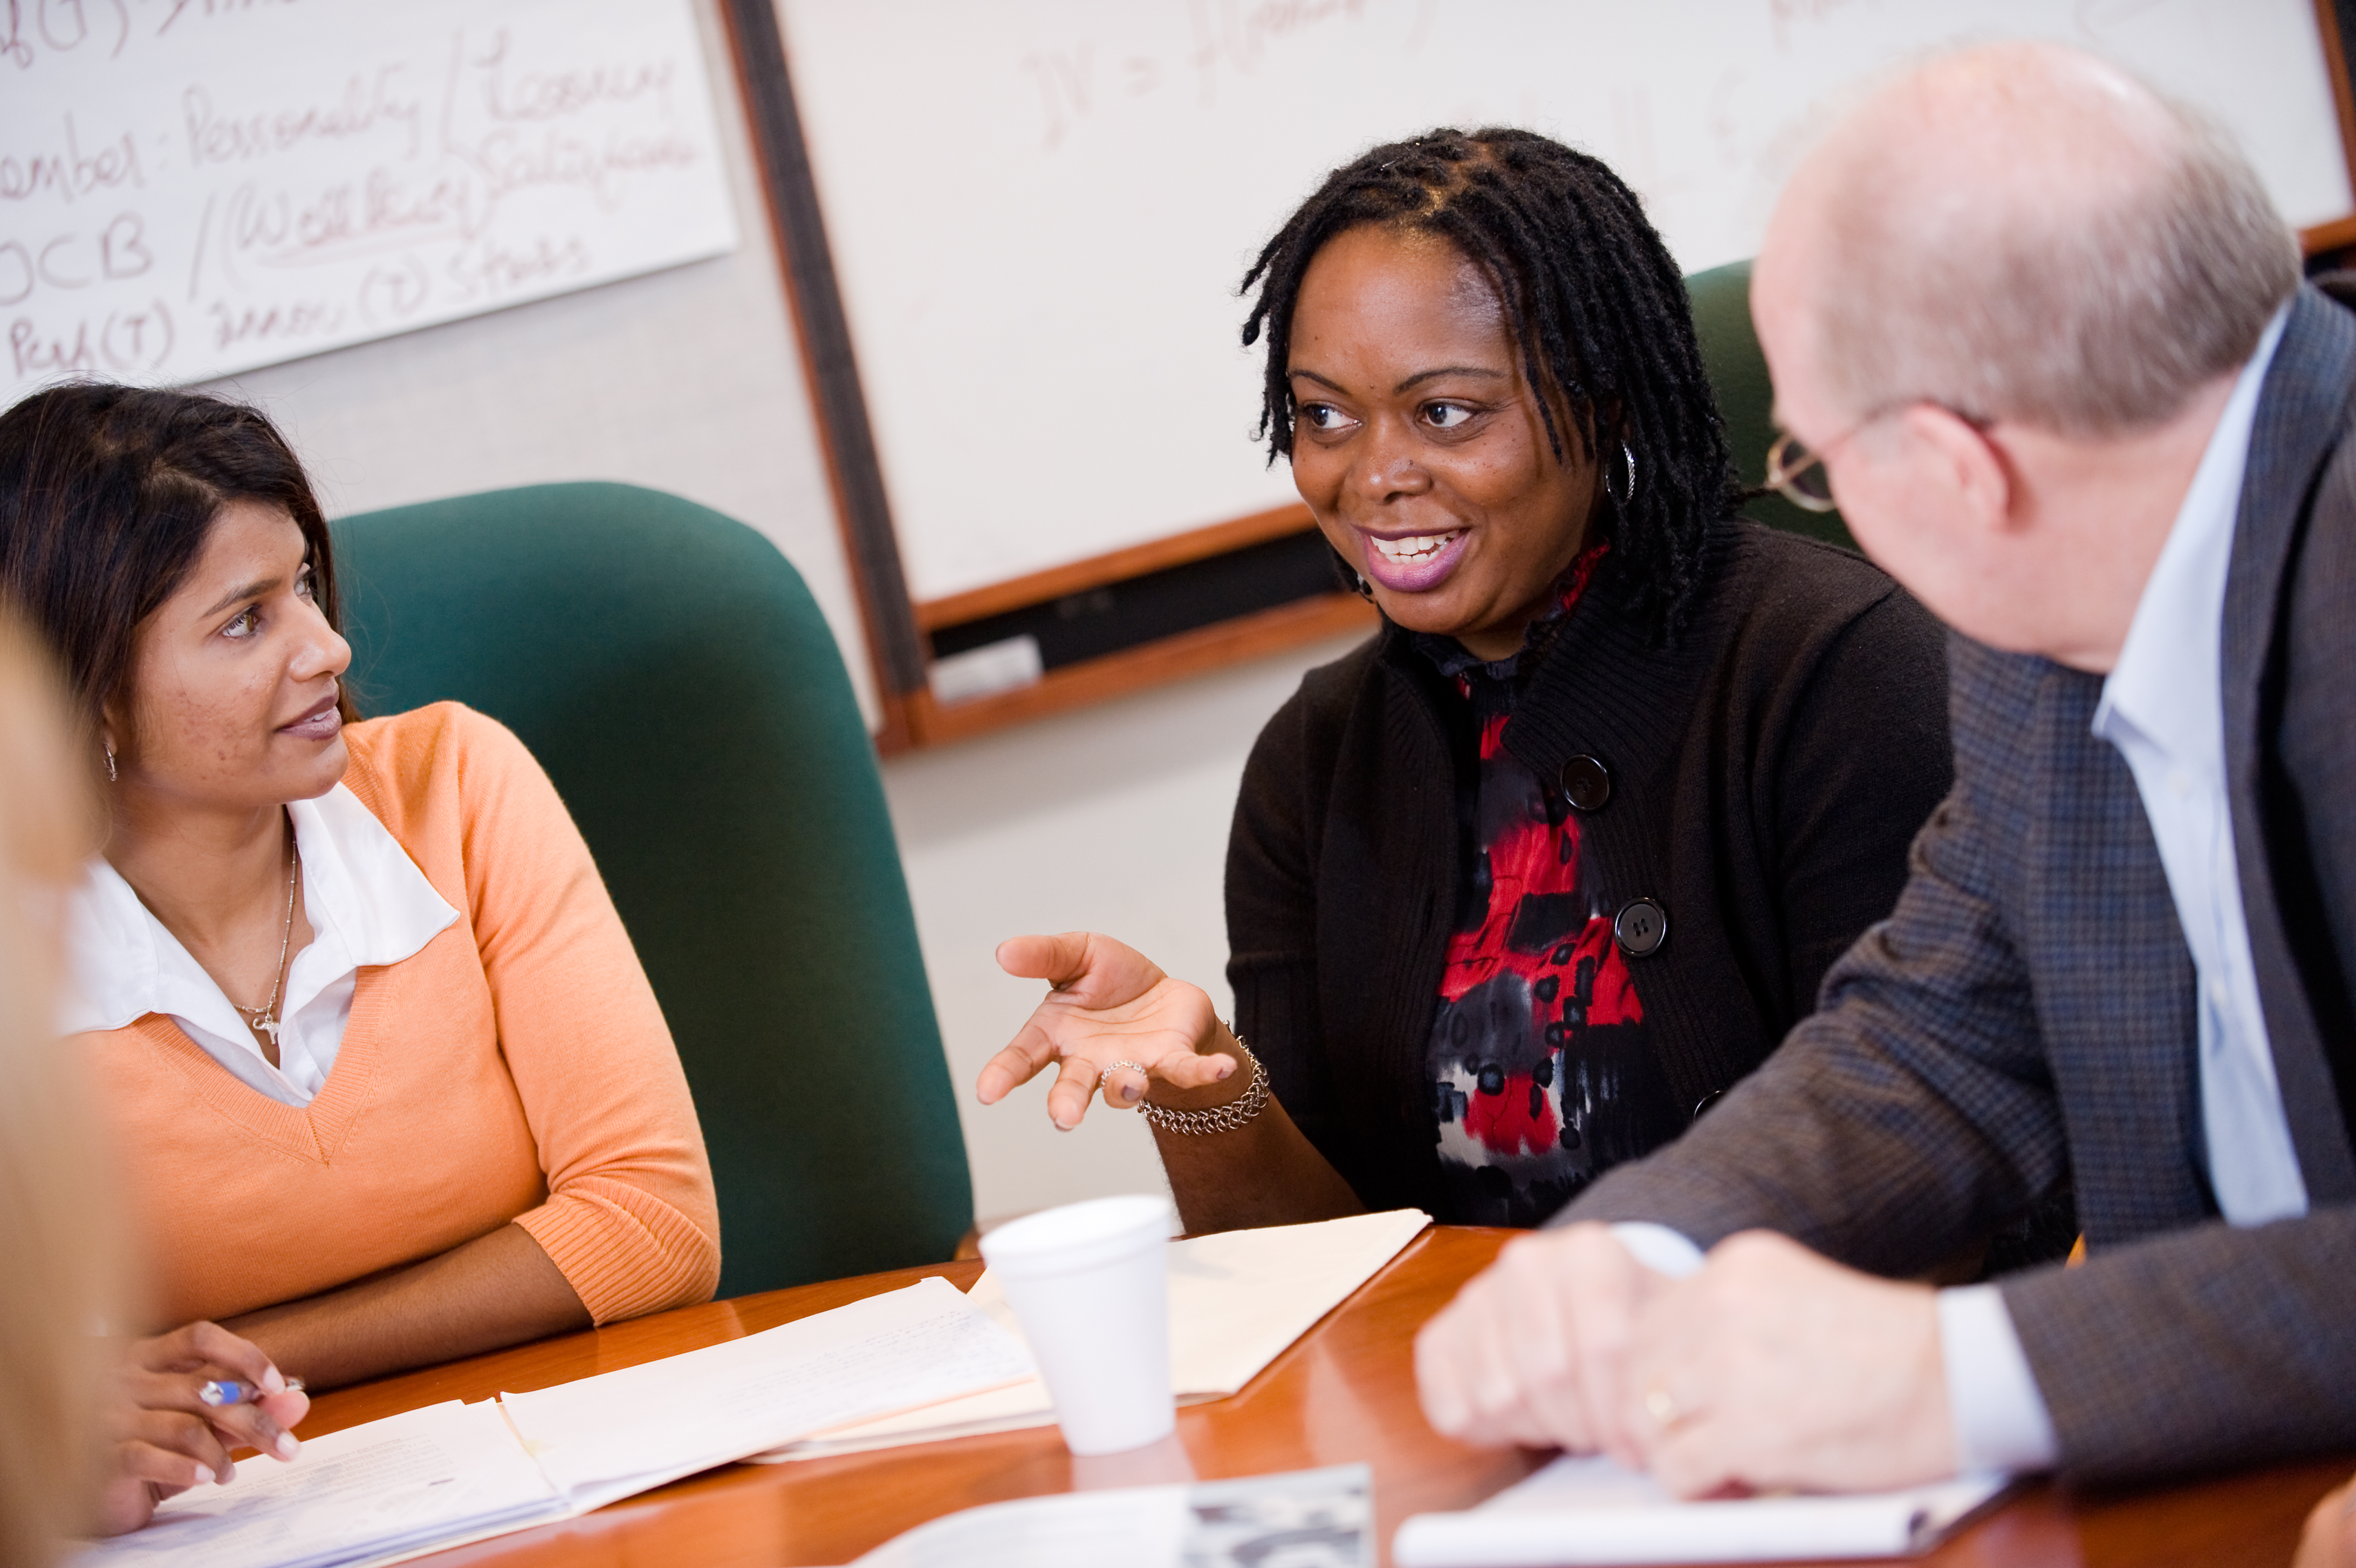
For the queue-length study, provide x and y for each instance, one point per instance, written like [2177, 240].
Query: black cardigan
[1767, 770]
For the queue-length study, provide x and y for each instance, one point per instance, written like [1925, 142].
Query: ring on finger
[1667, 1412]
[1137, 1068]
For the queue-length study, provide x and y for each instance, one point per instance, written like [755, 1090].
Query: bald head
[2027, 232]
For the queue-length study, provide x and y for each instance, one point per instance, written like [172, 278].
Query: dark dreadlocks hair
[1591, 295]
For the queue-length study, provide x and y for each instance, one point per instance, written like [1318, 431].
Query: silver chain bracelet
[1225, 1117]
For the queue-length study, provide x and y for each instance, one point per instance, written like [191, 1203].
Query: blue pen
[230, 1391]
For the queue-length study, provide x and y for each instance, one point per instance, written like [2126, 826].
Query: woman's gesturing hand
[162, 1435]
[1110, 1005]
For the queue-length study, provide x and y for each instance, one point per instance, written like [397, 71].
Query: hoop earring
[1625, 492]
[1346, 573]
[110, 765]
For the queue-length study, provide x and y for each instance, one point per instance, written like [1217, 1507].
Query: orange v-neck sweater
[515, 1067]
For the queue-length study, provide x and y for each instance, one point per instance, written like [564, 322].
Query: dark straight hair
[107, 495]
[1594, 301]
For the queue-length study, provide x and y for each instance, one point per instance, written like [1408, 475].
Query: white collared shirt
[366, 903]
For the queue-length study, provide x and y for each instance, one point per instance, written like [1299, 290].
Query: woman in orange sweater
[389, 1081]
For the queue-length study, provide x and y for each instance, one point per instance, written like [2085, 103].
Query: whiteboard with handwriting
[1040, 208]
[193, 188]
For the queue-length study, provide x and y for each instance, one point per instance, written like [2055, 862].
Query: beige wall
[1114, 819]
[689, 380]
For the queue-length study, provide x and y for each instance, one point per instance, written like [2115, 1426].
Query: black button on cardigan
[1640, 928]
[1585, 783]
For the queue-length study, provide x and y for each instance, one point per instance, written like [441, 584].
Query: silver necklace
[263, 1020]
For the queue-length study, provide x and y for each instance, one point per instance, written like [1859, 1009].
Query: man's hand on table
[2330, 1539]
[1534, 1349]
[1770, 1366]
[1775, 1368]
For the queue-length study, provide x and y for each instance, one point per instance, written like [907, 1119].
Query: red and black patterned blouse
[1540, 1075]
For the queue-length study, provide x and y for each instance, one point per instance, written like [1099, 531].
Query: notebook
[1586, 1509]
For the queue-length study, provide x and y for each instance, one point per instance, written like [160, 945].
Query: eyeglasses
[1799, 474]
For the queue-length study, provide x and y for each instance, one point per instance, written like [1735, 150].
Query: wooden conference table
[1345, 1392]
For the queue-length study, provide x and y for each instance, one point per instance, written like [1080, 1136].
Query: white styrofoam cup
[1090, 1284]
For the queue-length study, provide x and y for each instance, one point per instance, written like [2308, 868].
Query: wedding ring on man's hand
[1664, 1408]
[1137, 1068]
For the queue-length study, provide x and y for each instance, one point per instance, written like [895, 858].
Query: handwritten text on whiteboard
[193, 188]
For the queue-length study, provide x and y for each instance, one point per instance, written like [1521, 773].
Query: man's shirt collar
[2168, 681]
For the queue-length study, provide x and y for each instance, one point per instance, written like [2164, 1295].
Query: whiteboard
[193, 188]
[1039, 209]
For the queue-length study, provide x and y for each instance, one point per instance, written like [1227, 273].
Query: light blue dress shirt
[2163, 707]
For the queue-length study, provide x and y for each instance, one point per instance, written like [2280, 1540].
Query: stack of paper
[613, 1436]
[1588, 1509]
[450, 1473]
[908, 1366]
[1237, 1301]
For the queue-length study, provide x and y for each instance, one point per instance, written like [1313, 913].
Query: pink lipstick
[1413, 562]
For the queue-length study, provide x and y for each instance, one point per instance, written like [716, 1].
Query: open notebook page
[447, 1474]
[1237, 1301]
[427, 1478]
[1588, 1510]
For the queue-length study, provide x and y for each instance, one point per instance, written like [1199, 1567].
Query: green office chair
[673, 675]
[1738, 373]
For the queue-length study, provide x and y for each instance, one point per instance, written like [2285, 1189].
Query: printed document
[621, 1433]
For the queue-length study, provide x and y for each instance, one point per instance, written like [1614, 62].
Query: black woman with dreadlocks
[1520, 886]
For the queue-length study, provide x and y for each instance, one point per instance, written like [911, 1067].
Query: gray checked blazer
[2026, 1015]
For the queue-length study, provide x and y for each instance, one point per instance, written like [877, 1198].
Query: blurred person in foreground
[2046, 336]
[92, 1433]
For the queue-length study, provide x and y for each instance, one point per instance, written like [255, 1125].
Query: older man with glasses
[2044, 336]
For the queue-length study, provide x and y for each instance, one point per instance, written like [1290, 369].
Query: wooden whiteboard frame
[2341, 233]
[896, 626]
